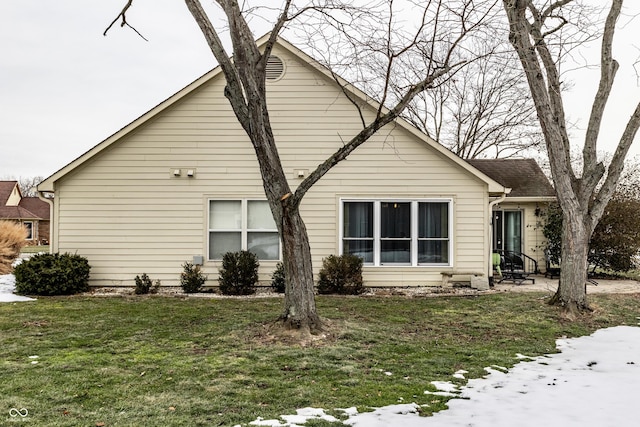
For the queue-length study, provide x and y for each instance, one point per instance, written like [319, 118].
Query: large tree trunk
[575, 247]
[582, 199]
[299, 302]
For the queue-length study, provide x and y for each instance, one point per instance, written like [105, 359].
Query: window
[358, 230]
[242, 225]
[401, 232]
[28, 225]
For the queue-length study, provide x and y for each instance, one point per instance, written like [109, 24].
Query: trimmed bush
[239, 273]
[192, 279]
[341, 275]
[52, 274]
[278, 279]
[12, 238]
[144, 285]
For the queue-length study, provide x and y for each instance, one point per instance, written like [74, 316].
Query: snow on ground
[594, 381]
[7, 287]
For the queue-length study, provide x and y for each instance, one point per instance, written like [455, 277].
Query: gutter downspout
[41, 196]
[490, 240]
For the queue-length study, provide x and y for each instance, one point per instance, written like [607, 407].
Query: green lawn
[162, 361]
[34, 249]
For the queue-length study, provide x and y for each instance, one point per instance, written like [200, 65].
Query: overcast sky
[64, 87]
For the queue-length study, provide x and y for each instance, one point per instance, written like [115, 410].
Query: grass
[129, 361]
[34, 249]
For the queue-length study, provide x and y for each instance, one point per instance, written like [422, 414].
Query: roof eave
[523, 199]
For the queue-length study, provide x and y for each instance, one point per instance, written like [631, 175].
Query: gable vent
[275, 68]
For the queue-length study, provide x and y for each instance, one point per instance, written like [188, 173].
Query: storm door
[507, 231]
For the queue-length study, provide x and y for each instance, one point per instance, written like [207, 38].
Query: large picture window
[242, 225]
[401, 232]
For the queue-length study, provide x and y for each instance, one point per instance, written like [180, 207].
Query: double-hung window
[242, 225]
[398, 232]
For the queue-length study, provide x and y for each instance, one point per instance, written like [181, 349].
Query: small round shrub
[144, 285]
[277, 279]
[192, 279]
[239, 273]
[52, 274]
[341, 275]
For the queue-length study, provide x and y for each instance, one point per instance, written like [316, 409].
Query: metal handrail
[527, 263]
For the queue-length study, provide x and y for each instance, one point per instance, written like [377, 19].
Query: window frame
[244, 229]
[30, 226]
[377, 239]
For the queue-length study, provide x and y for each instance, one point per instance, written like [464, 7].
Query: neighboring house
[181, 183]
[31, 212]
[518, 220]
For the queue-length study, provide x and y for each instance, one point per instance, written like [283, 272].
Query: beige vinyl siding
[125, 211]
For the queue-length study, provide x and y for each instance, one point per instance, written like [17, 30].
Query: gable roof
[27, 208]
[6, 188]
[48, 185]
[523, 176]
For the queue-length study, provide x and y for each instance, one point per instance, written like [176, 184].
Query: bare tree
[28, 185]
[484, 111]
[435, 38]
[481, 110]
[582, 198]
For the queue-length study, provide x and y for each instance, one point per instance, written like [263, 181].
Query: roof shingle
[523, 176]
[6, 188]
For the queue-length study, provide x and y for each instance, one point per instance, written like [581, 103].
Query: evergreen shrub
[144, 285]
[239, 273]
[278, 279]
[192, 279]
[52, 274]
[341, 275]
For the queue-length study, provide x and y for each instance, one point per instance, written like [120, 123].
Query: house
[517, 221]
[31, 212]
[181, 183]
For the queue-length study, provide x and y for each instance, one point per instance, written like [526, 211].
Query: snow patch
[302, 417]
[460, 374]
[592, 382]
[7, 289]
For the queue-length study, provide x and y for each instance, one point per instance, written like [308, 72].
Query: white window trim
[243, 230]
[414, 229]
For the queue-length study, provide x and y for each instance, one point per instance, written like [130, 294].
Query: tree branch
[234, 90]
[366, 133]
[608, 69]
[615, 167]
[122, 15]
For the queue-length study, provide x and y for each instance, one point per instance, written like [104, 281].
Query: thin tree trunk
[299, 303]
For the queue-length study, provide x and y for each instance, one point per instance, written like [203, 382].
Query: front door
[507, 231]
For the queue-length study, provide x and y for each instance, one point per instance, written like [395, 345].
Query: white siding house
[182, 181]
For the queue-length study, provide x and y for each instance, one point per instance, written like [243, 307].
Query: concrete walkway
[544, 284]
